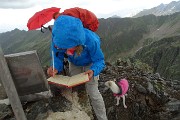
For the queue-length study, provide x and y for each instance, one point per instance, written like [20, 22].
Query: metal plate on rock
[27, 73]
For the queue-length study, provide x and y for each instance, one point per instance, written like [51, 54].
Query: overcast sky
[15, 13]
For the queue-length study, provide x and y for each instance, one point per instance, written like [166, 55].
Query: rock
[136, 109]
[177, 87]
[157, 76]
[42, 116]
[5, 112]
[176, 117]
[173, 105]
[74, 114]
[110, 110]
[141, 89]
[147, 99]
[150, 88]
[146, 79]
[164, 97]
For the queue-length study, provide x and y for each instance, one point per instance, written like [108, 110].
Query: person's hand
[90, 74]
[50, 71]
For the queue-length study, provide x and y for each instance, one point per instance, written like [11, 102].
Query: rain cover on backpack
[89, 19]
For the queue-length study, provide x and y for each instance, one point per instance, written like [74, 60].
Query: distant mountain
[115, 16]
[20, 41]
[120, 37]
[162, 9]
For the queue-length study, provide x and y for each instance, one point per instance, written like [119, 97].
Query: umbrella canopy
[88, 18]
[42, 17]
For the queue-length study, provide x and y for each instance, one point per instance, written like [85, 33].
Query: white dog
[119, 89]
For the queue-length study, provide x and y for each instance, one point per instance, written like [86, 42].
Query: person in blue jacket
[84, 55]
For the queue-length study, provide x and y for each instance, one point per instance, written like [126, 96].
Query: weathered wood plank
[10, 89]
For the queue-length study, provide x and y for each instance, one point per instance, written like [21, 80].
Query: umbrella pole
[50, 29]
[42, 30]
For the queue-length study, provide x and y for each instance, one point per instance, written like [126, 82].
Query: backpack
[89, 19]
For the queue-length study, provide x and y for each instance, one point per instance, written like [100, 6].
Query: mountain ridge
[120, 37]
[162, 9]
[163, 56]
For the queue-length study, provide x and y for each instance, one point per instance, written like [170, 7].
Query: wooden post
[10, 89]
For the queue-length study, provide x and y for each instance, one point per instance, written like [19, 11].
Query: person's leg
[93, 92]
[74, 70]
[81, 91]
[96, 98]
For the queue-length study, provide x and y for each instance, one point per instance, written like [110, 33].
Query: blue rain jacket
[69, 32]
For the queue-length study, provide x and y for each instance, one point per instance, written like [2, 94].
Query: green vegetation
[145, 67]
[163, 56]
[21, 41]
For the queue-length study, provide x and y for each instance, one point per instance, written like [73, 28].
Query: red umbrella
[42, 17]
[88, 18]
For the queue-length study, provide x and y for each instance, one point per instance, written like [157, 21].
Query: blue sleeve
[97, 57]
[58, 58]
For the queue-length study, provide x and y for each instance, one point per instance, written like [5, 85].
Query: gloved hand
[50, 71]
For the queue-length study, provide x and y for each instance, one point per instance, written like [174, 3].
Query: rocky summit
[150, 97]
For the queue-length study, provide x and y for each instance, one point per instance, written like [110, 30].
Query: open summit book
[69, 81]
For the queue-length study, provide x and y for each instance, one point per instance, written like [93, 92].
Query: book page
[69, 81]
[59, 79]
[78, 79]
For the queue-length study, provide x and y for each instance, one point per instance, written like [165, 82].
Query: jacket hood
[68, 32]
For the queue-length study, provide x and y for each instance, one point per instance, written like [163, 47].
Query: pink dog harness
[123, 87]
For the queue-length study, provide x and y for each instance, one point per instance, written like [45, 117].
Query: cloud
[15, 13]
[16, 4]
